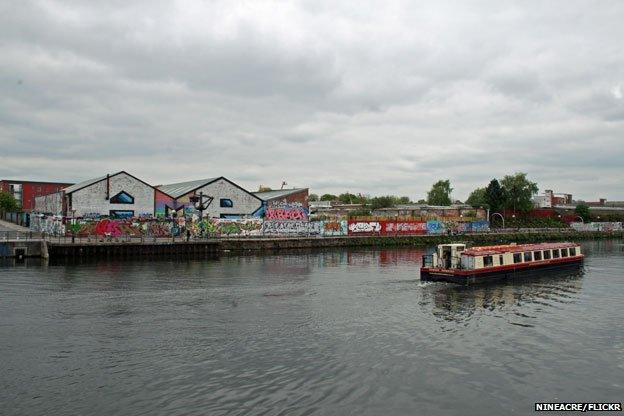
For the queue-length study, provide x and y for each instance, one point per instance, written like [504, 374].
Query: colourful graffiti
[291, 228]
[52, 226]
[167, 228]
[597, 226]
[364, 227]
[286, 211]
[333, 228]
[405, 227]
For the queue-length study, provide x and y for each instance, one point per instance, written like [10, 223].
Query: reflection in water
[454, 301]
[306, 332]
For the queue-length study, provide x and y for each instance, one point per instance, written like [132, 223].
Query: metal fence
[19, 235]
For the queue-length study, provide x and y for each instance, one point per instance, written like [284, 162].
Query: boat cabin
[456, 256]
[448, 256]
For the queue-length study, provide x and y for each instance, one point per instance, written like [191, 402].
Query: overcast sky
[371, 97]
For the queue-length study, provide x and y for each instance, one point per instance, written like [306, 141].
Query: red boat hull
[499, 272]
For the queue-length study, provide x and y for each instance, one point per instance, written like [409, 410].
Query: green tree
[262, 188]
[582, 210]
[348, 198]
[7, 202]
[329, 197]
[477, 198]
[313, 197]
[440, 193]
[382, 202]
[494, 196]
[422, 201]
[403, 200]
[518, 191]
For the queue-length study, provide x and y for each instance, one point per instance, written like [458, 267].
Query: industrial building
[291, 196]
[118, 195]
[215, 197]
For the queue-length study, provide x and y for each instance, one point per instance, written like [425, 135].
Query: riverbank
[67, 249]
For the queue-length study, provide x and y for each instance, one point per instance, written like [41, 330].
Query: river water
[332, 332]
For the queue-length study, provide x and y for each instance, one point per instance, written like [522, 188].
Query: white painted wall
[92, 199]
[49, 204]
[244, 203]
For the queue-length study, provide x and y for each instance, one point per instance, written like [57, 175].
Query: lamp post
[201, 202]
[500, 215]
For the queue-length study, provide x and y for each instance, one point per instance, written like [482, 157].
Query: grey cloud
[370, 99]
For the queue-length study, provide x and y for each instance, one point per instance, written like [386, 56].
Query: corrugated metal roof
[176, 190]
[86, 183]
[279, 193]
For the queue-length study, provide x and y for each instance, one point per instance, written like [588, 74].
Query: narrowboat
[458, 264]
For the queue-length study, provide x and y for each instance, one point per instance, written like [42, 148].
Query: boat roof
[514, 248]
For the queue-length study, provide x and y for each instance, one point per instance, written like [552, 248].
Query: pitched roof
[279, 193]
[86, 183]
[90, 182]
[176, 190]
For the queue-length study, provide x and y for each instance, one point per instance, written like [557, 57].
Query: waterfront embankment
[57, 248]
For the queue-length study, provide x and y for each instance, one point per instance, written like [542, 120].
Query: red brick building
[26, 191]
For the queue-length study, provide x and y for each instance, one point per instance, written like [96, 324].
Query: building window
[226, 203]
[517, 257]
[537, 255]
[572, 251]
[546, 254]
[556, 253]
[118, 213]
[500, 260]
[122, 198]
[488, 261]
[564, 252]
[527, 256]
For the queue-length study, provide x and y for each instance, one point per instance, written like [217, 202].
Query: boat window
[488, 261]
[572, 251]
[500, 260]
[556, 253]
[517, 257]
[537, 255]
[546, 254]
[527, 256]
[564, 252]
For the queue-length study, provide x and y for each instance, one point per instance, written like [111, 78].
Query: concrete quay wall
[251, 244]
[112, 249]
[23, 248]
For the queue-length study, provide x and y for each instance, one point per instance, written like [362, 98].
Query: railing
[19, 235]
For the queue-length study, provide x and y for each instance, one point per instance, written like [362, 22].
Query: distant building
[25, 192]
[551, 199]
[423, 210]
[294, 195]
[224, 198]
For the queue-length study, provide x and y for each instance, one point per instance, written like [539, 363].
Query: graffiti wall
[408, 227]
[597, 226]
[334, 228]
[49, 225]
[401, 227]
[286, 211]
[166, 206]
[167, 228]
[405, 227]
[364, 227]
[225, 227]
[291, 228]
